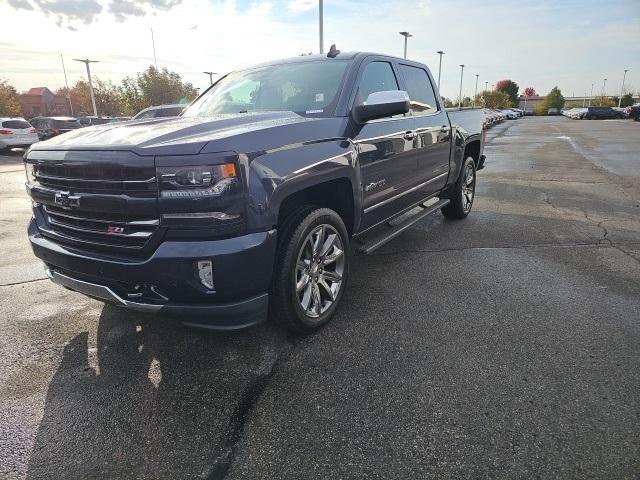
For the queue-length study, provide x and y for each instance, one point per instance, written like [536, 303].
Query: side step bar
[393, 231]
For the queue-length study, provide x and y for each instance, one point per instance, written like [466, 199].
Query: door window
[420, 90]
[376, 77]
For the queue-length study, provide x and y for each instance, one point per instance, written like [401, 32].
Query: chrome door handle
[410, 135]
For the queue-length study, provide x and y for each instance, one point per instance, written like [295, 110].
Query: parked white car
[16, 132]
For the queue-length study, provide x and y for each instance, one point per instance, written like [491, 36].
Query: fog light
[205, 272]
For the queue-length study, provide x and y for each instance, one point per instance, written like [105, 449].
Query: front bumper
[242, 276]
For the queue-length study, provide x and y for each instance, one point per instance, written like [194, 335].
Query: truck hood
[185, 135]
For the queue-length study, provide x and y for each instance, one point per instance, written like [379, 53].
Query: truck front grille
[106, 229]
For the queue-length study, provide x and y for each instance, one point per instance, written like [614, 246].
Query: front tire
[312, 263]
[463, 192]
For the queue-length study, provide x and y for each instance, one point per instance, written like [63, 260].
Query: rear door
[386, 148]
[431, 125]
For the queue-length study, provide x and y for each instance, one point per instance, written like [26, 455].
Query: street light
[622, 88]
[405, 35]
[439, 52]
[604, 86]
[486, 85]
[460, 94]
[93, 98]
[211, 74]
[591, 95]
[321, 25]
[475, 94]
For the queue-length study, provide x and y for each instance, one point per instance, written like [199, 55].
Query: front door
[386, 150]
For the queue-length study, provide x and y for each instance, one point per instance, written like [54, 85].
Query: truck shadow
[151, 400]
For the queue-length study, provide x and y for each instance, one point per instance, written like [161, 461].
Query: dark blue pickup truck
[255, 198]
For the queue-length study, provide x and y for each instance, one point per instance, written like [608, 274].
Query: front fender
[276, 174]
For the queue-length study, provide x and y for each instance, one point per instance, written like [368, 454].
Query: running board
[393, 231]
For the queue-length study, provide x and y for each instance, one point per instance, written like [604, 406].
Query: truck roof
[316, 57]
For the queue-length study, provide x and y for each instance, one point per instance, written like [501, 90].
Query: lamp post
[604, 86]
[406, 35]
[440, 52]
[486, 85]
[475, 94]
[321, 26]
[622, 88]
[211, 74]
[591, 95]
[460, 94]
[93, 98]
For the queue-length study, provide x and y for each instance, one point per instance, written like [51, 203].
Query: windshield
[304, 88]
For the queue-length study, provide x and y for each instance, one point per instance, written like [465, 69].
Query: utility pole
[67, 84]
[406, 35]
[321, 26]
[440, 52]
[475, 94]
[622, 88]
[93, 98]
[211, 74]
[460, 94]
[153, 44]
[591, 95]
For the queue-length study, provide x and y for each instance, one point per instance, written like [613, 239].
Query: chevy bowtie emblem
[115, 229]
[66, 200]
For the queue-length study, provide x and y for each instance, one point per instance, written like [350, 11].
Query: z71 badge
[374, 185]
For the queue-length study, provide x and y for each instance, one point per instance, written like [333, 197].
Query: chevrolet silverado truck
[253, 201]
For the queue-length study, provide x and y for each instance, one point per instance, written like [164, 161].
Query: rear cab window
[420, 89]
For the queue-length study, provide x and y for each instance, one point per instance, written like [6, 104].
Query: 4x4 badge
[66, 200]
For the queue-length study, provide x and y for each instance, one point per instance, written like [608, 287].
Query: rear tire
[311, 269]
[463, 192]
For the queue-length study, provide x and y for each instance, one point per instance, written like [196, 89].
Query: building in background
[42, 101]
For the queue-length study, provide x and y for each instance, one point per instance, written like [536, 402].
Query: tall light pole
[486, 85]
[475, 94]
[584, 99]
[604, 86]
[153, 45]
[405, 35]
[591, 95]
[440, 52]
[622, 88]
[211, 74]
[67, 85]
[93, 98]
[321, 26]
[460, 94]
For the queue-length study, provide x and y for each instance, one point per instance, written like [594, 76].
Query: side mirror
[382, 104]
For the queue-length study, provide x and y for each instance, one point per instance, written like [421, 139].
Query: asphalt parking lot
[503, 346]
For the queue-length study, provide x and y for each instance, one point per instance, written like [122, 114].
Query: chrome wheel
[319, 270]
[468, 187]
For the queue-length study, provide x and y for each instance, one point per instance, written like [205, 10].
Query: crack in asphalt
[25, 281]
[250, 397]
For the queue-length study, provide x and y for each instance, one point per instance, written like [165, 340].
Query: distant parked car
[91, 120]
[49, 127]
[172, 110]
[16, 132]
[634, 112]
[602, 113]
[553, 111]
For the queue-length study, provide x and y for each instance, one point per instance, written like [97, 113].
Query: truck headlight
[197, 181]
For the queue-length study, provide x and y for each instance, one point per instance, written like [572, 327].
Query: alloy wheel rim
[319, 270]
[468, 188]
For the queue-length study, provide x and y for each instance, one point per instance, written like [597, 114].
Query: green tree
[511, 89]
[627, 100]
[493, 99]
[155, 87]
[554, 99]
[9, 100]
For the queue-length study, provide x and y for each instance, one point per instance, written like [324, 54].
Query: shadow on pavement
[152, 400]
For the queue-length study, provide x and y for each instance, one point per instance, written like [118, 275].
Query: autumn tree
[9, 100]
[529, 92]
[493, 99]
[511, 89]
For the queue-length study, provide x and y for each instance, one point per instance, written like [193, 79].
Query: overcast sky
[569, 43]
